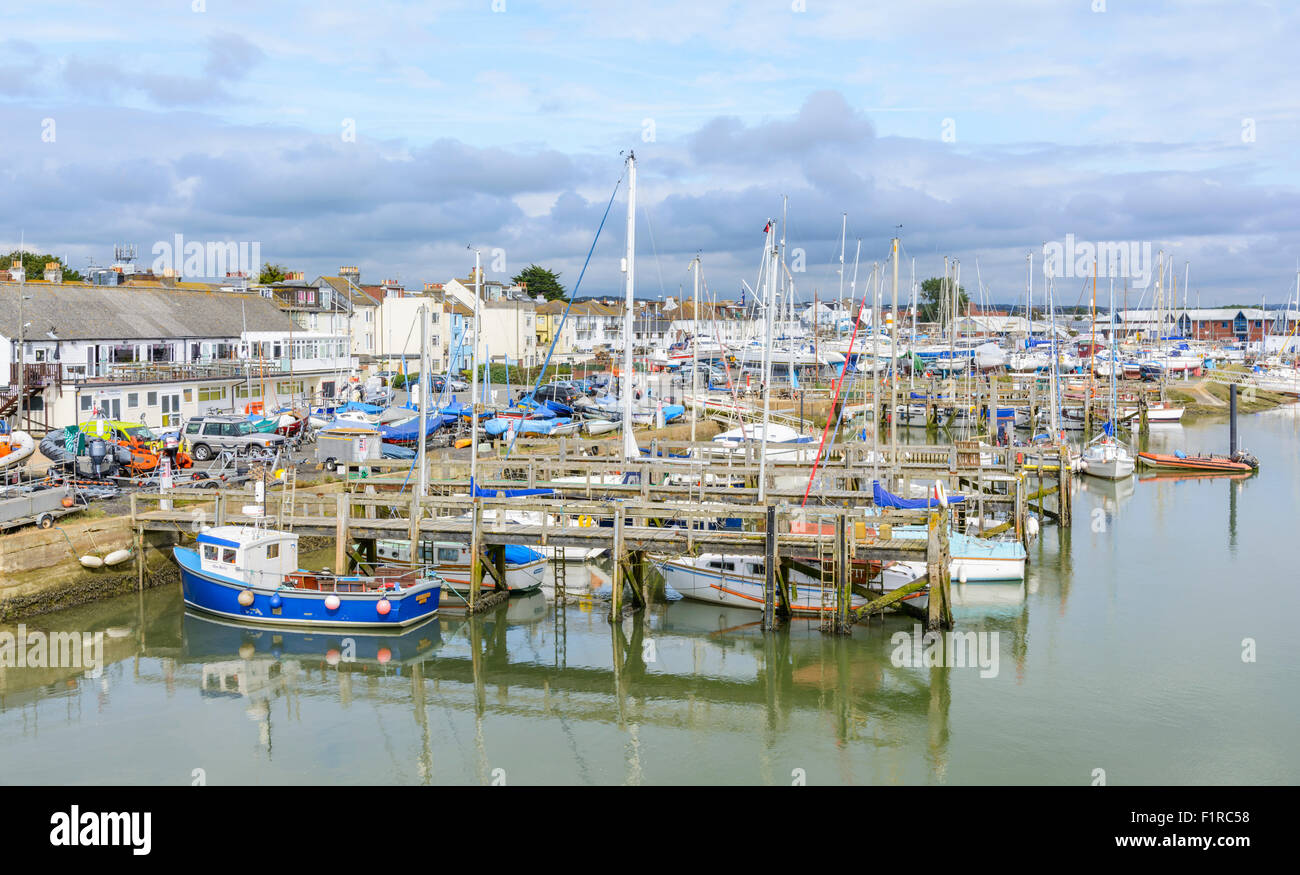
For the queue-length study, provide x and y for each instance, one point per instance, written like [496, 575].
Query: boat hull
[740, 591]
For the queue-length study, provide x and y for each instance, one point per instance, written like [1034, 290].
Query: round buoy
[68, 502]
[384, 655]
[91, 562]
[246, 597]
[1031, 526]
[247, 650]
[383, 606]
[276, 601]
[331, 603]
[961, 573]
[332, 656]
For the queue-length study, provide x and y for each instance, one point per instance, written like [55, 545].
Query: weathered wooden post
[843, 576]
[476, 556]
[769, 570]
[1065, 484]
[937, 561]
[616, 599]
[341, 511]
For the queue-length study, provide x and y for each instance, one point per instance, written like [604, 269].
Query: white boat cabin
[257, 557]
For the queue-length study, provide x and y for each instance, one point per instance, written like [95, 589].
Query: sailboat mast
[426, 383]
[893, 364]
[695, 345]
[769, 315]
[629, 440]
[422, 483]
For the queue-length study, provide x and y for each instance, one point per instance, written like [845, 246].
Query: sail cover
[882, 498]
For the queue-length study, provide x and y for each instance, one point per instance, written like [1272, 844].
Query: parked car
[457, 384]
[558, 392]
[210, 434]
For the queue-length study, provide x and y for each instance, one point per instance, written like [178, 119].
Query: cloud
[505, 130]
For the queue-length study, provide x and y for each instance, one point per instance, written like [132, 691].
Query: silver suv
[209, 434]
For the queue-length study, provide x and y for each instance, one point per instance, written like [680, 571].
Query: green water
[1122, 651]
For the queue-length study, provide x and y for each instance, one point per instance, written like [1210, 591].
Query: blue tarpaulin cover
[889, 499]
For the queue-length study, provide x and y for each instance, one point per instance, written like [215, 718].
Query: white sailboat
[1105, 456]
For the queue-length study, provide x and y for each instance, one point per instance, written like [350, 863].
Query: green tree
[933, 292]
[34, 266]
[541, 281]
[272, 273]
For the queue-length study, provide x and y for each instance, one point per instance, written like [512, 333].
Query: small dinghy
[1241, 463]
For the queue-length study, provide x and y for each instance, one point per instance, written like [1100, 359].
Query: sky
[396, 136]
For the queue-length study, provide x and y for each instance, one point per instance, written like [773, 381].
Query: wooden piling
[616, 599]
[341, 512]
[769, 570]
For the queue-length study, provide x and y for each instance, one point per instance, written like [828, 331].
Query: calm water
[1122, 651]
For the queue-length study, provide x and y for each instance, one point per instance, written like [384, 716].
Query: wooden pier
[628, 529]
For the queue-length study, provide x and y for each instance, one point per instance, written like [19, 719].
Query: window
[192, 428]
[448, 554]
[272, 551]
[723, 566]
[210, 552]
[289, 387]
[153, 399]
[189, 395]
[228, 555]
[212, 393]
[86, 401]
[132, 399]
[212, 428]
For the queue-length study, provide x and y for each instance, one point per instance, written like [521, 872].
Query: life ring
[940, 494]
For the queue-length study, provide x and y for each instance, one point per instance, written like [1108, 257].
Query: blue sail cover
[489, 492]
[358, 407]
[889, 499]
[409, 432]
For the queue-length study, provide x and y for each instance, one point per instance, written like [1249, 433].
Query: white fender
[117, 557]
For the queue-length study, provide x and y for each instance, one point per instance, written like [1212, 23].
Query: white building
[157, 353]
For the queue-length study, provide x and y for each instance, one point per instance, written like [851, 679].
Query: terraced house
[155, 352]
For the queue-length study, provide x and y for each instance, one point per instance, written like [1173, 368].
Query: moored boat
[1180, 461]
[250, 573]
[739, 581]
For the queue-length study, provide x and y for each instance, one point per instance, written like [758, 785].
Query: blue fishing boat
[251, 573]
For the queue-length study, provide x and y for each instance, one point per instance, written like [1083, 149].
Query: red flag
[767, 227]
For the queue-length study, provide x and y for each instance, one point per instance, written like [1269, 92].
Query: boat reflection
[206, 637]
